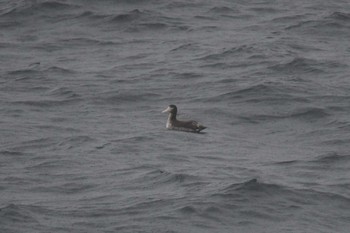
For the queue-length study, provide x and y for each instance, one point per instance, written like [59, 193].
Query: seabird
[173, 123]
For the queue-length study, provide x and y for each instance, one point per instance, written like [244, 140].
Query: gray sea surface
[83, 143]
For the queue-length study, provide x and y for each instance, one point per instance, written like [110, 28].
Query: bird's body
[174, 124]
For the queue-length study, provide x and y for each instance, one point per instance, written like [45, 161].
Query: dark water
[83, 142]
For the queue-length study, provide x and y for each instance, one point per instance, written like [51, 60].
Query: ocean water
[83, 144]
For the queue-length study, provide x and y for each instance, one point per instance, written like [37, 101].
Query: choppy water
[83, 142]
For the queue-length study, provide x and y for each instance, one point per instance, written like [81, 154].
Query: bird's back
[193, 126]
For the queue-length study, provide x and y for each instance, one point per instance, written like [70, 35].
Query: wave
[223, 10]
[34, 70]
[298, 65]
[129, 96]
[45, 103]
[334, 23]
[48, 46]
[185, 47]
[185, 75]
[26, 71]
[311, 113]
[247, 203]
[241, 201]
[304, 114]
[128, 144]
[339, 16]
[303, 65]
[255, 190]
[128, 17]
[266, 10]
[8, 25]
[65, 188]
[63, 92]
[59, 70]
[232, 52]
[252, 185]
[286, 163]
[331, 158]
[83, 42]
[137, 20]
[17, 217]
[338, 141]
[29, 8]
[18, 214]
[44, 142]
[12, 153]
[267, 92]
[75, 141]
[161, 177]
[183, 4]
[49, 143]
[51, 164]
[289, 18]
[332, 162]
[259, 89]
[135, 2]
[91, 15]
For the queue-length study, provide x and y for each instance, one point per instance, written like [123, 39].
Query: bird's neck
[172, 117]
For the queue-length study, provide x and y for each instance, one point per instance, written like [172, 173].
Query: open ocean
[83, 143]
